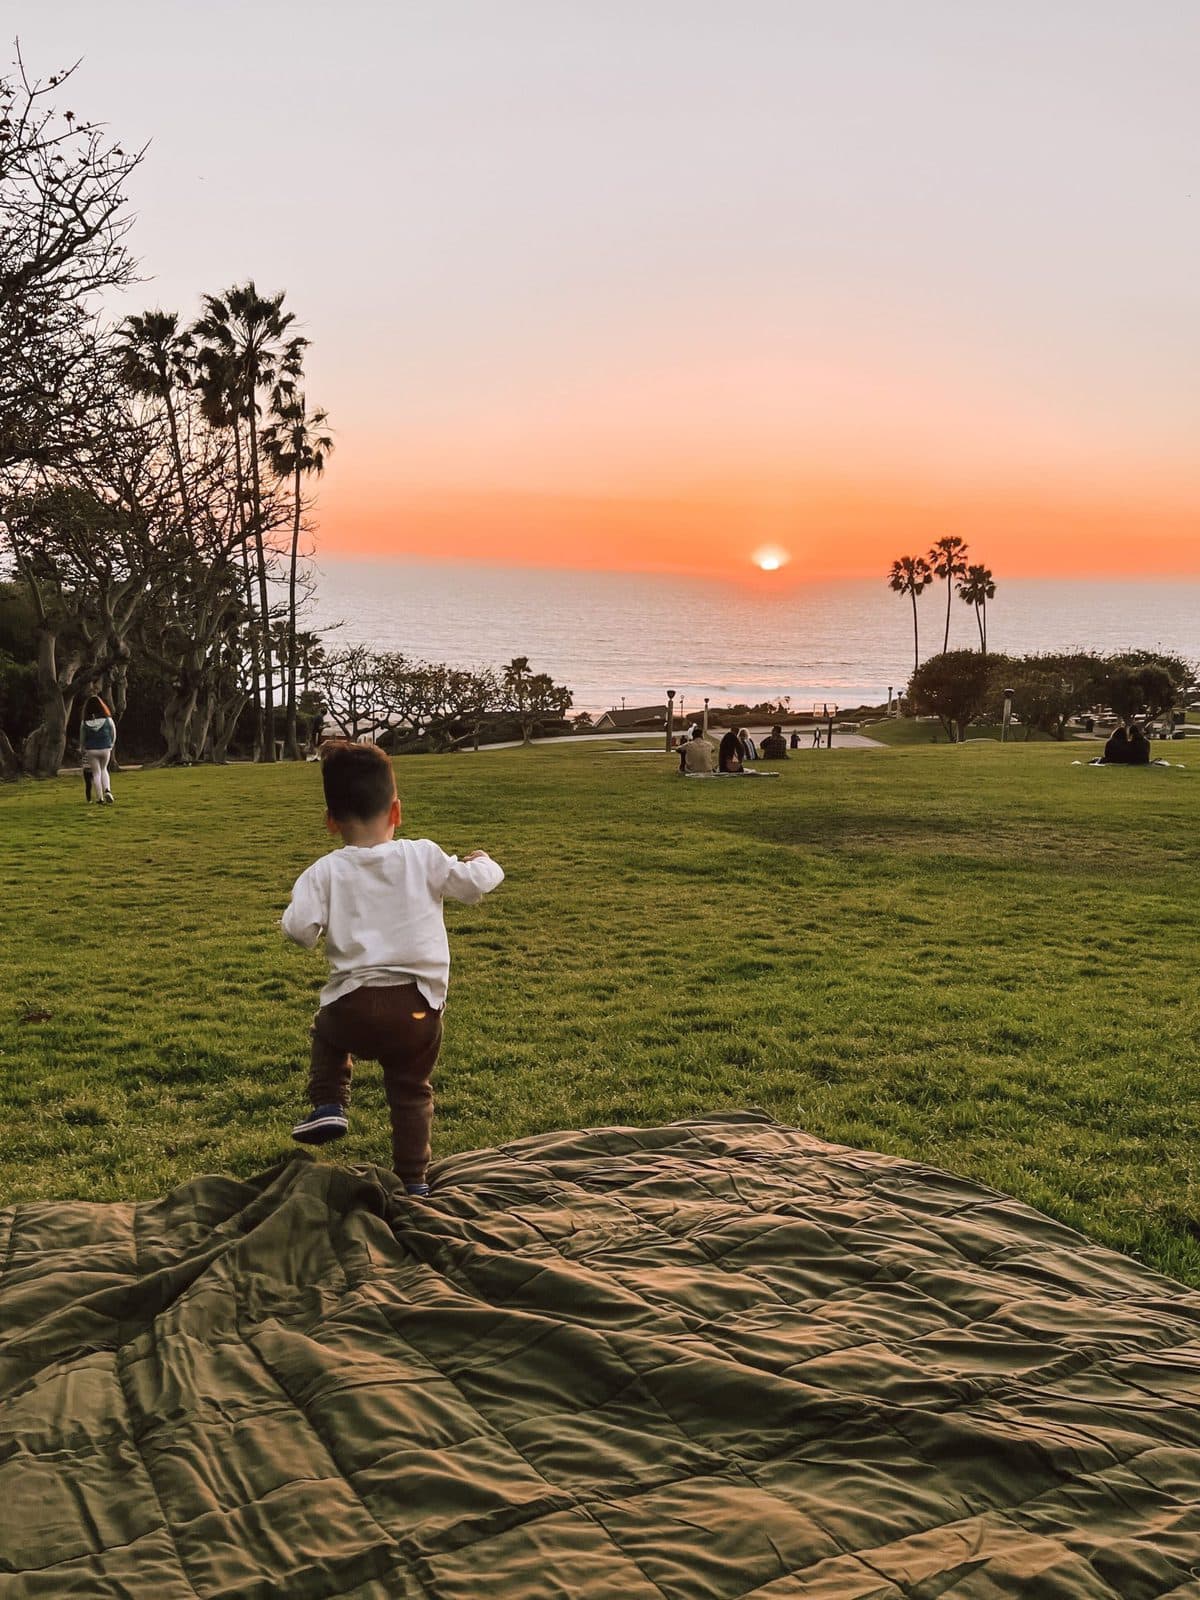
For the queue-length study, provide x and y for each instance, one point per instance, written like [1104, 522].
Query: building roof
[634, 717]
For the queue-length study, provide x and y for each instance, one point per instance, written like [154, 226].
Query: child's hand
[474, 855]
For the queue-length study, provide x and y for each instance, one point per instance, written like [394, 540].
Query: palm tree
[948, 558]
[911, 575]
[976, 589]
[246, 340]
[155, 360]
[219, 392]
[516, 685]
[295, 446]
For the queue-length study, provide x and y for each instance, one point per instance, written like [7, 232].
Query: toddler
[378, 901]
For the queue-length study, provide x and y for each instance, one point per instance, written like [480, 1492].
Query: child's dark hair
[358, 780]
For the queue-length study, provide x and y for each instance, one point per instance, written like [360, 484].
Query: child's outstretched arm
[305, 918]
[468, 879]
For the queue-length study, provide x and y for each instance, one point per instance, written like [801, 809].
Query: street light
[704, 719]
[670, 720]
[1008, 700]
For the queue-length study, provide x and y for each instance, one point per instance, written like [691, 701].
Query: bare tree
[64, 218]
[349, 683]
[89, 546]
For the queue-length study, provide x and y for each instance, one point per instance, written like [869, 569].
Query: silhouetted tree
[976, 588]
[954, 687]
[1049, 689]
[911, 575]
[246, 350]
[297, 447]
[532, 698]
[1143, 688]
[89, 550]
[64, 218]
[948, 559]
[154, 359]
[352, 689]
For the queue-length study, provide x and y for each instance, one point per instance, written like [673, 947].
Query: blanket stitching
[136, 1443]
[319, 1435]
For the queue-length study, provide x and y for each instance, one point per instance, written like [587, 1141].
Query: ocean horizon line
[751, 578]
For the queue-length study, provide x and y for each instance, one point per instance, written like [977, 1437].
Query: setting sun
[771, 557]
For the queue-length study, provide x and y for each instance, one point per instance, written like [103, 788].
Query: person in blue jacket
[97, 736]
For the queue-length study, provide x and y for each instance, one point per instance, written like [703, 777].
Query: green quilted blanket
[709, 1360]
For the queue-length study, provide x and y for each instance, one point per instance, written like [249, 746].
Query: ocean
[628, 637]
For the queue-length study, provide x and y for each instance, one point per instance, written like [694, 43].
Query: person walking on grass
[378, 902]
[97, 737]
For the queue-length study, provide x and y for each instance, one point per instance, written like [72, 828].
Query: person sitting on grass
[696, 755]
[774, 746]
[378, 901]
[729, 754]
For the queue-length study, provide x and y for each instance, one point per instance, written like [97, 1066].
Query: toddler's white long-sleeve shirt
[380, 909]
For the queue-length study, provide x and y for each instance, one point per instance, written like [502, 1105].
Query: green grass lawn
[981, 957]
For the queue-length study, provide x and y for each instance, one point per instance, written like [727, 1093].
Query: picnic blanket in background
[709, 1360]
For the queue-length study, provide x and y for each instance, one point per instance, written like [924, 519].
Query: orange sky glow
[652, 459]
[829, 530]
[649, 287]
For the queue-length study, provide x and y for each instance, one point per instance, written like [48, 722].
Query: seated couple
[1127, 746]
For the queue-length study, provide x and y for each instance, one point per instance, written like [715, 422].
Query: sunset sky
[654, 283]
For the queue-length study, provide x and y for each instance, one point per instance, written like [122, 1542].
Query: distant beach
[634, 635]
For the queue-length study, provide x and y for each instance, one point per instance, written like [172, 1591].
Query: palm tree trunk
[979, 625]
[178, 455]
[248, 586]
[293, 742]
[916, 646]
[949, 597]
[268, 675]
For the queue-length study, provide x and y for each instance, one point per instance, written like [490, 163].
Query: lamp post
[1008, 700]
[704, 719]
[670, 720]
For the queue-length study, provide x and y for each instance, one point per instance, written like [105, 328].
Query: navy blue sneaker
[322, 1124]
[417, 1191]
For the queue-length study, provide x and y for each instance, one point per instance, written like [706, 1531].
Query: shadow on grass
[975, 840]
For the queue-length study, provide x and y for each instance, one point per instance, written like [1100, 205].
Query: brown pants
[397, 1027]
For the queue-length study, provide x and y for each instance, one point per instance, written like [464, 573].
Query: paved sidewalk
[841, 741]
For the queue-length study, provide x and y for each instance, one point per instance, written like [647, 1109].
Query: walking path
[841, 741]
